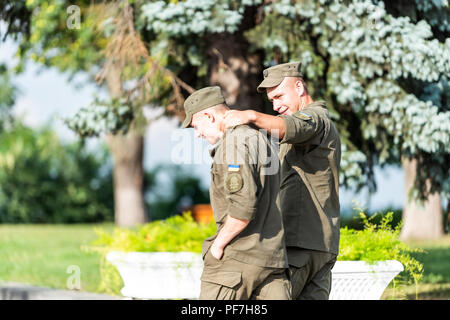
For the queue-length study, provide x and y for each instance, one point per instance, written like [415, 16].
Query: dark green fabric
[310, 154]
[261, 243]
[229, 279]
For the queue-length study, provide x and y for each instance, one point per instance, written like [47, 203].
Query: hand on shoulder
[234, 118]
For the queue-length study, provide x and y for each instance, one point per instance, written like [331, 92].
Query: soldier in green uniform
[246, 259]
[310, 154]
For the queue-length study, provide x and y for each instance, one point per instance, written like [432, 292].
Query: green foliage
[183, 18]
[384, 78]
[177, 233]
[7, 97]
[382, 66]
[101, 118]
[382, 70]
[53, 43]
[353, 220]
[45, 181]
[380, 242]
[16, 16]
[376, 242]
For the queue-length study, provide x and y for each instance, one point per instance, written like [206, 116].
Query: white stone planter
[176, 275]
[359, 280]
[159, 275]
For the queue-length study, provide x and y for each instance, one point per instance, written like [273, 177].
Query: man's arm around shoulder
[274, 125]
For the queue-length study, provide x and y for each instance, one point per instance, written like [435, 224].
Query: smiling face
[286, 97]
[206, 125]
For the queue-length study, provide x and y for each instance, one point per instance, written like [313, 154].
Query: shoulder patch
[233, 182]
[302, 115]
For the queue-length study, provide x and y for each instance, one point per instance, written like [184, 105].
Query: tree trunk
[127, 151]
[236, 70]
[420, 220]
[129, 204]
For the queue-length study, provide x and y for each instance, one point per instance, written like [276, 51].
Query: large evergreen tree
[382, 67]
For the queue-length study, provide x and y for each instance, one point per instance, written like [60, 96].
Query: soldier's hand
[235, 117]
[216, 251]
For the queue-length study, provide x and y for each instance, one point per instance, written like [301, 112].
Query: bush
[177, 233]
[354, 220]
[181, 233]
[45, 181]
[380, 242]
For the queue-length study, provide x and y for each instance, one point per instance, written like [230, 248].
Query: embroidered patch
[233, 167]
[234, 182]
[302, 115]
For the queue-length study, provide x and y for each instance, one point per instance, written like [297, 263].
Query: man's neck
[304, 101]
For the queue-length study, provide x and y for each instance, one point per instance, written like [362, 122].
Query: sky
[46, 96]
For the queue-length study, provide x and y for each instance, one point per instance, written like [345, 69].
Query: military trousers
[310, 273]
[229, 279]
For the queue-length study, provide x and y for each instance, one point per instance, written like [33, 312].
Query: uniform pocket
[219, 285]
[228, 279]
[210, 261]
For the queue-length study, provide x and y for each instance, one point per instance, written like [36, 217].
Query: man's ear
[299, 88]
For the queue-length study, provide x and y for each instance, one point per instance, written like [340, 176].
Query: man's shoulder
[242, 131]
[242, 138]
[318, 108]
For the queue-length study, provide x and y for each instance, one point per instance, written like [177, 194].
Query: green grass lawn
[41, 255]
[435, 283]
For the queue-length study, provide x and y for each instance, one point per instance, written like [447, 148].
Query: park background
[48, 81]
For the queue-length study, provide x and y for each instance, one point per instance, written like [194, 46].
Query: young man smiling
[246, 259]
[310, 154]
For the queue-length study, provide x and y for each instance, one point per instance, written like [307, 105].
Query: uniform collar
[214, 148]
[318, 103]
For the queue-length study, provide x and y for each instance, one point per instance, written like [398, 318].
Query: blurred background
[43, 97]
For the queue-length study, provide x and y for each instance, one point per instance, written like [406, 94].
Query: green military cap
[200, 100]
[273, 76]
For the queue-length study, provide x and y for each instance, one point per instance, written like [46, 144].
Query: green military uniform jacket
[310, 154]
[240, 187]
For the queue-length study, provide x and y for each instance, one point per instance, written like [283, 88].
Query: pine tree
[383, 69]
[382, 66]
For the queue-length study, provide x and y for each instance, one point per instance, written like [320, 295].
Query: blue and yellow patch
[233, 167]
[302, 115]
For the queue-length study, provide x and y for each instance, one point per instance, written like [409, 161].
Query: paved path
[21, 291]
